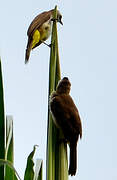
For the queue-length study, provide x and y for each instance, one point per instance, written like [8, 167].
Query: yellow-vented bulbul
[40, 30]
[66, 117]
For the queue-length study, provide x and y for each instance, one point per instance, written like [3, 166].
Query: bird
[66, 117]
[40, 30]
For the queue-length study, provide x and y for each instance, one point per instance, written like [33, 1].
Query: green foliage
[2, 125]
[10, 165]
[57, 166]
[9, 151]
[30, 174]
[38, 170]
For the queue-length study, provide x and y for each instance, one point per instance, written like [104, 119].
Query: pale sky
[88, 56]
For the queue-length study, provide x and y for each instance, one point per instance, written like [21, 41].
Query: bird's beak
[61, 22]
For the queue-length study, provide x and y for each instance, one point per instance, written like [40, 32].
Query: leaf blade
[2, 125]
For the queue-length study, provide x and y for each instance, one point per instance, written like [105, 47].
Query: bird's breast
[45, 30]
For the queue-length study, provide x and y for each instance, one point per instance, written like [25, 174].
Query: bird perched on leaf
[40, 30]
[66, 117]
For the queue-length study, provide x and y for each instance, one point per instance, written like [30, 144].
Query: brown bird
[66, 117]
[40, 30]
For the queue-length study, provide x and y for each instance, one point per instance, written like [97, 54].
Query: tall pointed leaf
[29, 172]
[57, 167]
[50, 137]
[38, 169]
[2, 125]
[10, 165]
[9, 152]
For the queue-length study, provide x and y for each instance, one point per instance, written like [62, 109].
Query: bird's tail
[28, 49]
[73, 158]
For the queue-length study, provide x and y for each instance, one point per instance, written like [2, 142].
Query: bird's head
[59, 17]
[64, 86]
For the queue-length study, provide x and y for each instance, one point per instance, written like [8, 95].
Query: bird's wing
[75, 120]
[37, 44]
[73, 116]
[67, 114]
[38, 21]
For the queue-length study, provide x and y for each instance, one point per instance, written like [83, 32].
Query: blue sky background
[88, 55]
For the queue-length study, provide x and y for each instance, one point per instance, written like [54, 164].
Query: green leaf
[9, 139]
[61, 148]
[29, 172]
[2, 125]
[52, 72]
[9, 152]
[9, 164]
[38, 169]
[57, 163]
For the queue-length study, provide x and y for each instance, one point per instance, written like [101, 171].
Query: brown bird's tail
[73, 158]
[28, 49]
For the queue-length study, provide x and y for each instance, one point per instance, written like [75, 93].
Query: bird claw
[50, 45]
[54, 19]
[62, 140]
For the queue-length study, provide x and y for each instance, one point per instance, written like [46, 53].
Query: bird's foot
[49, 45]
[62, 140]
[54, 19]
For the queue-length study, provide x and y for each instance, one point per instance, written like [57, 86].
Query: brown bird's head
[63, 86]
